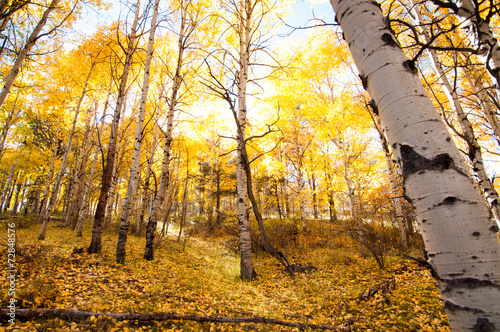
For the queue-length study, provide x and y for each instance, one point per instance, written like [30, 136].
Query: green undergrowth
[199, 276]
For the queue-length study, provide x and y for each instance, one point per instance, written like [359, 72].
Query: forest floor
[198, 276]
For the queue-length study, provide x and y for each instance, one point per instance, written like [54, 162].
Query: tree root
[72, 314]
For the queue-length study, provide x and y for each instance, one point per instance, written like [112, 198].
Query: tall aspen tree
[107, 175]
[460, 240]
[186, 30]
[139, 136]
[16, 67]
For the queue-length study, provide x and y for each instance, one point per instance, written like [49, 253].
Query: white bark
[95, 245]
[46, 190]
[246, 260]
[461, 242]
[139, 136]
[164, 176]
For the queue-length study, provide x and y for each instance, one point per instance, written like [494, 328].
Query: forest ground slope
[199, 276]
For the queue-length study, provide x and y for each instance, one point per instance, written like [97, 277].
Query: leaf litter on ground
[201, 278]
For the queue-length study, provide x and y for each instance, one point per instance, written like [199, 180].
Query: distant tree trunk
[145, 197]
[21, 57]
[16, 195]
[487, 106]
[218, 212]
[59, 178]
[314, 195]
[164, 176]
[107, 176]
[8, 186]
[85, 196]
[85, 200]
[462, 254]
[300, 191]
[391, 173]
[136, 157]
[78, 176]
[185, 199]
[46, 191]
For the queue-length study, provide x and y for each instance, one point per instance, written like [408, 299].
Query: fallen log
[77, 315]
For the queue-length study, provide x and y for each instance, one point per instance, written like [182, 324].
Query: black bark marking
[410, 66]
[483, 325]
[448, 305]
[376, 4]
[449, 200]
[412, 162]
[364, 81]
[469, 283]
[494, 228]
[374, 106]
[476, 233]
[389, 40]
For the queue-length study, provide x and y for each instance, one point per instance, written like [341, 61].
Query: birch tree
[95, 245]
[21, 57]
[139, 136]
[189, 19]
[463, 254]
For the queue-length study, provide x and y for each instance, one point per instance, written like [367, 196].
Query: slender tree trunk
[46, 191]
[145, 198]
[59, 178]
[5, 196]
[14, 71]
[107, 176]
[463, 254]
[16, 195]
[164, 176]
[185, 200]
[300, 189]
[314, 195]
[139, 136]
[79, 174]
[487, 106]
[246, 261]
[391, 173]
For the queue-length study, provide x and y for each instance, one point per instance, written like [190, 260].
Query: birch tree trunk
[79, 174]
[55, 189]
[461, 243]
[487, 106]
[391, 174]
[95, 245]
[246, 261]
[165, 176]
[46, 190]
[14, 71]
[139, 136]
[145, 197]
